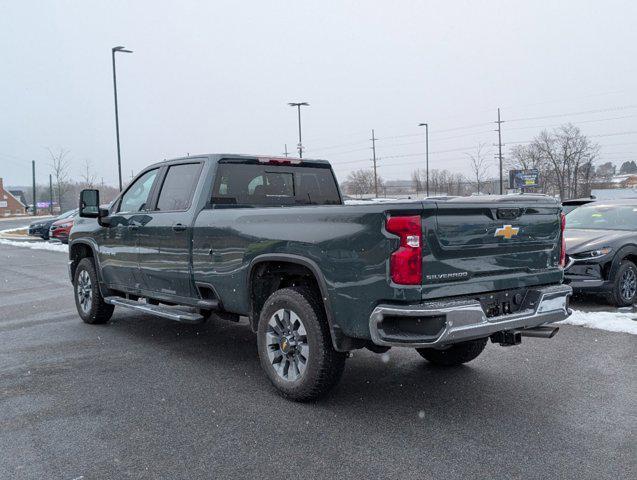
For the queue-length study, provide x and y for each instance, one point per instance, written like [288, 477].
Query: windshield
[609, 217]
[68, 214]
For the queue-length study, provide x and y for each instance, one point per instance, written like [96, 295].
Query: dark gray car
[601, 248]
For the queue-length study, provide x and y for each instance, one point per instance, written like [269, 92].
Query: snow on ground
[609, 321]
[52, 247]
[11, 230]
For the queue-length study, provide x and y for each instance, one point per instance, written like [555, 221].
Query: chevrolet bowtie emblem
[506, 231]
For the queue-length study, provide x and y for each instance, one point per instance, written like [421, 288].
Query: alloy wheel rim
[286, 342]
[84, 291]
[628, 285]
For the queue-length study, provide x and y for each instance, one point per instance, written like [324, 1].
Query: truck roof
[215, 157]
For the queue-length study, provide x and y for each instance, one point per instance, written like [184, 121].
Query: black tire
[456, 354]
[323, 366]
[95, 311]
[623, 295]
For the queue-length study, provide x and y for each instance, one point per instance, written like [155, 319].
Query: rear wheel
[88, 298]
[295, 346]
[625, 287]
[456, 354]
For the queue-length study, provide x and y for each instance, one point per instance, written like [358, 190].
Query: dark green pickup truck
[224, 236]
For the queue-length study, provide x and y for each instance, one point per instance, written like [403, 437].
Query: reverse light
[405, 264]
[562, 240]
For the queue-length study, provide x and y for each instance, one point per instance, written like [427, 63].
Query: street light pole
[119, 156]
[298, 105]
[426, 125]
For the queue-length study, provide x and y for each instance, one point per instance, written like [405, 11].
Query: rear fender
[341, 342]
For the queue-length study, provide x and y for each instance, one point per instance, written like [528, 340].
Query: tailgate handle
[509, 213]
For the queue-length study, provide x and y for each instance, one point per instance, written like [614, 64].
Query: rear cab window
[178, 187]
[251, 184]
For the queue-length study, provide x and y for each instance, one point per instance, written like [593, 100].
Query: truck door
[164, 241]
[119, 251]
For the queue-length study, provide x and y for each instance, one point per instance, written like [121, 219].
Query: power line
[578, 123]
[586, 112]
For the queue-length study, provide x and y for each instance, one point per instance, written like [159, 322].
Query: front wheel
[295, 346]
[625, 286]
[454, 355]
[88, 298]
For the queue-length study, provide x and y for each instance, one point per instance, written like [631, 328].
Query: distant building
[19, 194]
[10, 205]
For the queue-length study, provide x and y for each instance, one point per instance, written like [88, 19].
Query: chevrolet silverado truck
[230, 236]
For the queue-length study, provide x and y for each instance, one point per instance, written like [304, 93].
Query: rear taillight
[562, 240]
[406, 263]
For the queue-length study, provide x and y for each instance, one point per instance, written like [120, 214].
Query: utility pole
[298, 105]
[426, 125]
[119, 156]
[373, 139]
[499, 130]
[35, 204]
[286, 150]
[50, 194]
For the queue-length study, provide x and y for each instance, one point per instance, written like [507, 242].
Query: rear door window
[269, 185]
[178, 187]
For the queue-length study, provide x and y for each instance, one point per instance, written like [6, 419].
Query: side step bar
[170, 313]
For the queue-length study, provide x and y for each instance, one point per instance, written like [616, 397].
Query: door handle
[133, 227]
[179, 227]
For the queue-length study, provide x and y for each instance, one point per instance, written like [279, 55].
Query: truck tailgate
[474, 240]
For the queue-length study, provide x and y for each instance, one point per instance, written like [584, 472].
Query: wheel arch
[80, 249]
[627, 252]
[262, 263]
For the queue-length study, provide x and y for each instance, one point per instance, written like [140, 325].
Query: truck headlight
[592, 253]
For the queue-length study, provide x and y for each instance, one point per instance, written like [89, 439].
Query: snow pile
[52, 247]
[609, 321]
[11, 230]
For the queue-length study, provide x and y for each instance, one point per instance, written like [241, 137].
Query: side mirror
[90, 204]
[90, 207]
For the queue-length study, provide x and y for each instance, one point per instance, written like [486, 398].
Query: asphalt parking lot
[143, 397]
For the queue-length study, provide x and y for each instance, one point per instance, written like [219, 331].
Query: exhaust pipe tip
[539, 332]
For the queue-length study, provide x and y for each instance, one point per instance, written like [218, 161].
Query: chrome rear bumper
[451, 321]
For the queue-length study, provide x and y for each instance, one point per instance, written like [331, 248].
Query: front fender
[622, 253]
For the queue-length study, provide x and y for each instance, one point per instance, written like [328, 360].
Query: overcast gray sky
[216, 77]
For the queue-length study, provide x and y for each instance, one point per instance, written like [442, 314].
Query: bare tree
[88, 177]
[60, 169]
[416, 181]
[361, 182]
[479, 165]
[564, 158]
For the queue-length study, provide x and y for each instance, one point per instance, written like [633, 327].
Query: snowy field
[611, 321]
